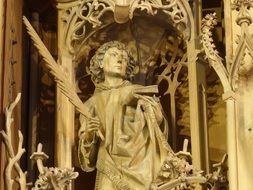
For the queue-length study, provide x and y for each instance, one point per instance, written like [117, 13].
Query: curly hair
[97, 73]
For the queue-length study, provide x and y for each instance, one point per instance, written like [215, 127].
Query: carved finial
[243, 7]
[208, 23]
[39, 156]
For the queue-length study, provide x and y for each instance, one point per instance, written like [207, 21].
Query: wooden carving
[49, 178]
[83, 18]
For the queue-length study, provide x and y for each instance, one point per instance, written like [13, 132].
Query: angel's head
[112, 58]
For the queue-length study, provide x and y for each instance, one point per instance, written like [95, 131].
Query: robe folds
[134, 146]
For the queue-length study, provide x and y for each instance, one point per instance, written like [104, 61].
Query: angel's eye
[113, 54]
[125, 60]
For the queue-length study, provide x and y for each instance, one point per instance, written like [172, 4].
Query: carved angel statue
[123, 131]
[125, 140]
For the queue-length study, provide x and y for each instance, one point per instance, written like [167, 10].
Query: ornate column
[194, 105]
[197, 6]
[64, 137]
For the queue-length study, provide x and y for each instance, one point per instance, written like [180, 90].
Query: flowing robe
[134, 148]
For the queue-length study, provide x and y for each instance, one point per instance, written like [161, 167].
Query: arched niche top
[83, 18]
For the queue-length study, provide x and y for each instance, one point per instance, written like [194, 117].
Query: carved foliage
[177, 173]
[54, 178]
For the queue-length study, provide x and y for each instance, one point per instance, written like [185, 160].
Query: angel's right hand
[91, 125]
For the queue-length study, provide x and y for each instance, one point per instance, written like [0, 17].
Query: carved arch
[82, 18]
[245, 44]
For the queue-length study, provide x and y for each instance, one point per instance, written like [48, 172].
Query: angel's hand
[153, 103]
[92, 125]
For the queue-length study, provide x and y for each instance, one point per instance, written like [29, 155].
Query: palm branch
[65, 86]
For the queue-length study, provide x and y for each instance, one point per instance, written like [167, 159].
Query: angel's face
[115, 62]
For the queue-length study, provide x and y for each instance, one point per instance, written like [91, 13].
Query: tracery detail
[239, 66]
[83, 18]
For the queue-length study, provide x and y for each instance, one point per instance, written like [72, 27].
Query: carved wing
[60, 77]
